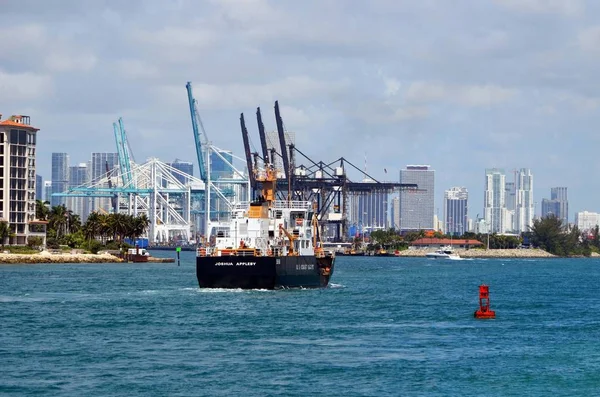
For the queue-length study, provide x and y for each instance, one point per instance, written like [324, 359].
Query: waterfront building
[455, 211]
[494, 200]
[586, 221]
[417, 207]
[18, 177]
[525, 206]
[60, 177]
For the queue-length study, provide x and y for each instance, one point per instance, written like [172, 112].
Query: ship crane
[291, 251]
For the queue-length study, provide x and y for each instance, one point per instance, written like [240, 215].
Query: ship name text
[235, 264]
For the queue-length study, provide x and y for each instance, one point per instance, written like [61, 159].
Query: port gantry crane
[222, 189]
[324, 183]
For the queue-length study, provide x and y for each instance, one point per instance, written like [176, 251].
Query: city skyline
[389, 209]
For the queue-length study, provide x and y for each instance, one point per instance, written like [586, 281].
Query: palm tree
[59, 220]
[74, 223]
[140, 225]
[41, 210]
[92, 226]
[5, 232]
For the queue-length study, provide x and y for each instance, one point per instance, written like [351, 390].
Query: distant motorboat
[443, 253]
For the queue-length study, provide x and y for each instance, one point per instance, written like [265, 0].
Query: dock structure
[325, 183]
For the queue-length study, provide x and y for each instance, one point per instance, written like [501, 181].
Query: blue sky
[459, 85]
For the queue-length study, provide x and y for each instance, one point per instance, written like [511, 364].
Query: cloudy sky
[459, 85]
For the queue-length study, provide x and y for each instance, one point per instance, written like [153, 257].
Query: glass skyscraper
[417, 207]
[39, 187]
[455, 211]
[183, 166]
[494, 200]
[60, 177]
[100, 162]
[524, 201]
[218, 167]
[558, 204]
[79, 175]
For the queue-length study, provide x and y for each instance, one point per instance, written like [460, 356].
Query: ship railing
[246, 252]
[241, 206]
[293, 204]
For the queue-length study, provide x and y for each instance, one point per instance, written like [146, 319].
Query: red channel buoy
[484, 303]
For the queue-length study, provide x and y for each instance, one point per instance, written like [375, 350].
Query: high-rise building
[47, 190]
[417, 207]
[587, 220]
[550, 208]
[39, 187]
[510, 196]
[17, 176]
[183, 166]
[219, 167]
[396, 213]
[99, 165]
[60, 177]
[372, 210]
[79, 175]
[455, 211]
[494, 200]
[558, 205]
[560, 194]
[525, 206]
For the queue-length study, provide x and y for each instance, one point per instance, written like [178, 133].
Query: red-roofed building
[17, 177]
[443, 242]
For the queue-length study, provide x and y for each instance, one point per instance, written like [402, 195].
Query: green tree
[41, 210]
[550, 234]
[5, 232]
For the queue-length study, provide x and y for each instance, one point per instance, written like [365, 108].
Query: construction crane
[125, 149]
[119, 142]
[246, 140]
[196, 126]
[263, 139]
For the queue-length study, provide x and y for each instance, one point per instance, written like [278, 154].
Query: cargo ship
[267, 244]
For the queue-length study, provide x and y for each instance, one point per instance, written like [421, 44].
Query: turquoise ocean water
[386, 326]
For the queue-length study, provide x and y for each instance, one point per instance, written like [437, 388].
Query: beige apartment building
[17, 178]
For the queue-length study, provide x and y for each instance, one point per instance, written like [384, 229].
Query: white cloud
[564, 7]
[392, 86]
[238, 95]
[136, 68]
[468, 95]
[483, 95]
[69, 62]
[23, 87]
[589, 39]
[423, 91]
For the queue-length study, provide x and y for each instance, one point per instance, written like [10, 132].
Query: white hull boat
[443, 253]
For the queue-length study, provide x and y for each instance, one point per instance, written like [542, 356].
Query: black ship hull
[263, 272]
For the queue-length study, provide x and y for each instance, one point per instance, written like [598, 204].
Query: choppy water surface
[386, 326]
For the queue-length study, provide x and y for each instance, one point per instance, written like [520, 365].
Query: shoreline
[46, 257]
[493, 253]
[480, 253]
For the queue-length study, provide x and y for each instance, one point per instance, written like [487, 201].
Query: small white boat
[443, 253]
